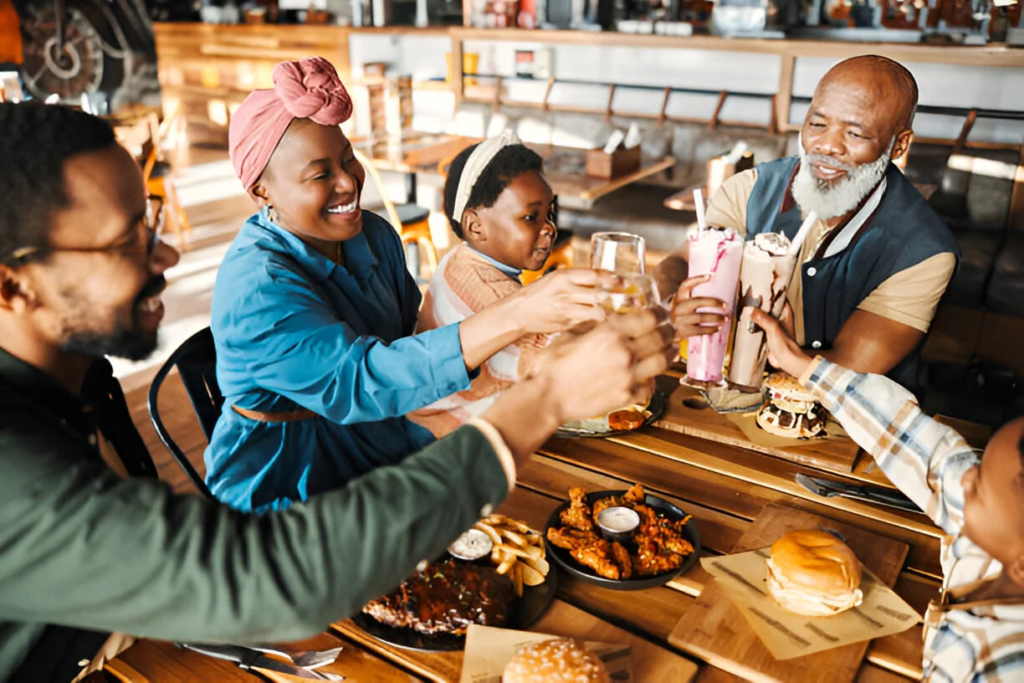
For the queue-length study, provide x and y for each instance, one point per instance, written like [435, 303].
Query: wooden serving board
[715, 630]
[689, 413]
[651, 663]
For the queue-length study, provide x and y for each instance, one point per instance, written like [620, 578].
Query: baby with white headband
[497, 201]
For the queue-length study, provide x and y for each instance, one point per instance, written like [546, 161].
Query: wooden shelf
[989, 55]
[272, 35]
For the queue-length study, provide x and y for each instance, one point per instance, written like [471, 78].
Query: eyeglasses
[152, 224]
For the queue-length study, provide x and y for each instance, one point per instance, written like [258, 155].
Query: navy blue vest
[903, 232]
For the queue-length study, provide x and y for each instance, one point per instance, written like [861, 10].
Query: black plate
[659, 402]
[690, 532]
[522, 613]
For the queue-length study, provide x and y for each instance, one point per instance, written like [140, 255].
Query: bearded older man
[878, 260]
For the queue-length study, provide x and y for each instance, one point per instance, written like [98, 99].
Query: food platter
[656, 409]
[495, 574]
[522, 613]
[662, 508]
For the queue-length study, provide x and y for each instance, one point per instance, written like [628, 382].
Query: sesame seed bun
[560, 659]
[813, 573]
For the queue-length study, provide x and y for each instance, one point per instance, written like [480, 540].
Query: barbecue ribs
[446, 597]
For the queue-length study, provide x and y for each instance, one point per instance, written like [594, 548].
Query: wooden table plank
[418, 154]
[715, 630]
[651, 662]
[566, 172]
[737, 482]
[689, 413]
[158, 661]
[650, 613]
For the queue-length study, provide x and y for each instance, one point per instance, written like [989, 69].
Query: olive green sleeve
[83, 548]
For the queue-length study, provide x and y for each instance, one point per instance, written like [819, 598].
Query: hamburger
[813, 573]
[561, 659]
[789, 410]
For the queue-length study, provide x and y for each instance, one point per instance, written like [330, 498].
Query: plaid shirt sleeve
[923, 458]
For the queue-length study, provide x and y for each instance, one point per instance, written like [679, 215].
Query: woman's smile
[345, 211]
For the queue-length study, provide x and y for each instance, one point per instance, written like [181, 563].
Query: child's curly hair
[504, 167]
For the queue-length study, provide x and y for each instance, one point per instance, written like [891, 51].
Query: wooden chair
[159, 179]
[410, 220]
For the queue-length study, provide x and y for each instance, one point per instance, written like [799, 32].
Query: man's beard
[131, 343]
[831, 199]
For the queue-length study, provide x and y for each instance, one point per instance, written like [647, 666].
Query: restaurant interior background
[697, 77]
[429, 77]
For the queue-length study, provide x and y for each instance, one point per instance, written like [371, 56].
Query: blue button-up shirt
[295, 330]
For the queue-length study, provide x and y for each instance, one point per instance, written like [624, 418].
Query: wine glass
[618, 252]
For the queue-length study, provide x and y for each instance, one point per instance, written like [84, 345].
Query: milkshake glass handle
[754, 302]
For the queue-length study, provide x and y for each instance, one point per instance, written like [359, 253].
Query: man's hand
[610, 366]
[783, 352]
[687, 321]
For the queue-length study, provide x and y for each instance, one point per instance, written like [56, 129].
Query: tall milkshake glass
[717, 252]
[768, 264]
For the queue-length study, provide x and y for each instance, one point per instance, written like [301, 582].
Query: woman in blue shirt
[314, 311]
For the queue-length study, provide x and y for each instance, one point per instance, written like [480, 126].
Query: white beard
[833, 199]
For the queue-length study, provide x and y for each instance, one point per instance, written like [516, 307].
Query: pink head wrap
[306, 89]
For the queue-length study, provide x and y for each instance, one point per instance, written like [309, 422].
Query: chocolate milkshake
[768, 264]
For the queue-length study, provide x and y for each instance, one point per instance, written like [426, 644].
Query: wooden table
[724, 487]
[565, 167]
[682, 200]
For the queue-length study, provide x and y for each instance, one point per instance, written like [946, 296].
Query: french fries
[518, 550]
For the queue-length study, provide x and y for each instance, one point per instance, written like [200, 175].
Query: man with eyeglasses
[84, 552]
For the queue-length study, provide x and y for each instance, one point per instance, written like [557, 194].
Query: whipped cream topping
[774, 243]
[716, 234]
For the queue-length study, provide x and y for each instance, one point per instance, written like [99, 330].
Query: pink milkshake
[718, 252]
[768, 263]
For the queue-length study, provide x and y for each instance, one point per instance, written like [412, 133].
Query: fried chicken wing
[661, 547]
[634, 495]
[621, 556]
[598, 556]
[649, 560]
[674, 544]
[631, 498]
[570, 539]
[605, 503]
[578, 514]
[647, 515]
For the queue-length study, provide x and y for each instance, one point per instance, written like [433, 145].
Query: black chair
[196, 360]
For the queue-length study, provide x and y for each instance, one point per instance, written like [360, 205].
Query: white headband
[475, 165]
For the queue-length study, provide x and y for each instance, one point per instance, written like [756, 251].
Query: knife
[246, 658]
[866, 494]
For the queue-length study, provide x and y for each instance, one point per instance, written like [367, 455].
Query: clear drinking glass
[634, 293]
[618, 252]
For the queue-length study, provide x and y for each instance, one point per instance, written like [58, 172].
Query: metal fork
[309, 659]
